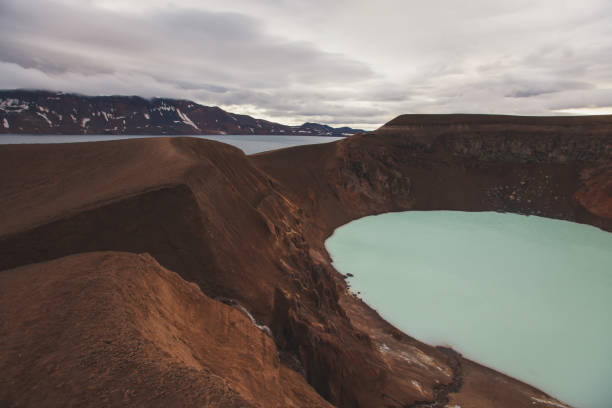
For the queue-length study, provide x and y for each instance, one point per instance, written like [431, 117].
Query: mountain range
[44, 112]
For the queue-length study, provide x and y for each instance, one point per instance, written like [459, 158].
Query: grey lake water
[250, 144]
[528, 296]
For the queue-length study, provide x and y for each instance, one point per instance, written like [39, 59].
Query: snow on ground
[417, 385]
[13, 105]
[549, 402]
[164, 107]
[186, 119]
[42, 115]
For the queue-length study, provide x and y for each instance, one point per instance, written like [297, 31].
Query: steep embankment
[118, 329]
[558, 167]
[204, 210]
[554, 167]
[249, 231]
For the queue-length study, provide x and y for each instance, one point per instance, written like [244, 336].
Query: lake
[250, 144]
[528, 296]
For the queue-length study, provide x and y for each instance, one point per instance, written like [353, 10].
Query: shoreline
[191, 204]
[483, 300]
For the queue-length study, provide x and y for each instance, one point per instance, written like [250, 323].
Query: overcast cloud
[359, 63]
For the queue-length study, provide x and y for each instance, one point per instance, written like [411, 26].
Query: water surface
[528, 296]
[250, 144]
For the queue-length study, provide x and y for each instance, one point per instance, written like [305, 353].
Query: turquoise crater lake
[528, 296]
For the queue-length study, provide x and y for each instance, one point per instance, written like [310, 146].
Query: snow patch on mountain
[13, 105]
[133, 115]
[186, 119]
[44, 116]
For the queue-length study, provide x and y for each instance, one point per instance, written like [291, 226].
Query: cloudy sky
[355, 62]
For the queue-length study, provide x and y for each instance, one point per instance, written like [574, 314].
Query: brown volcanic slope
[113, 329]
[108, 328]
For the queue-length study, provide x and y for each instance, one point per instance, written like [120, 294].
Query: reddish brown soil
[249, 232]
[114, 329]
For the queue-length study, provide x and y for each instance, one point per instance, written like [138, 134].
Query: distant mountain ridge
[44, 112]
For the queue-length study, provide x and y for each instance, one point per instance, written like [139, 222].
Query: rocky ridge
[42, 112]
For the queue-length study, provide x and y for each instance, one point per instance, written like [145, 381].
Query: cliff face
[41, 112]
[559, 167]
[249, 232]
[453, 163]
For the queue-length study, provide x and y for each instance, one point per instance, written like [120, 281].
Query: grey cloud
[227, 48]
[529, 92]
[537, 88]
[341, 62]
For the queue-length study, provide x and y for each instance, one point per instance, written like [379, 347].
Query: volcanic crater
[181, 272]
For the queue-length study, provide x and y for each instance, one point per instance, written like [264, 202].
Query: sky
[340, 62]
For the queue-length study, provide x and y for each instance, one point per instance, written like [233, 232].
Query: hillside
[42, 112]
[188, 273]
